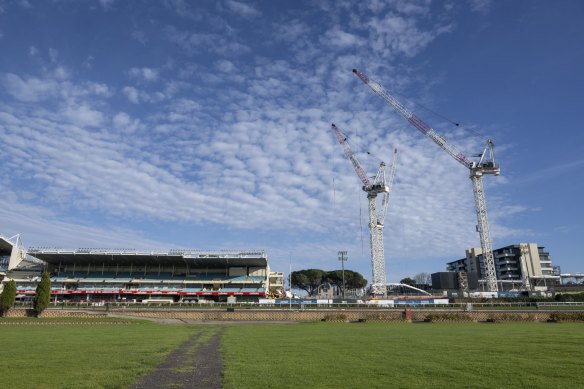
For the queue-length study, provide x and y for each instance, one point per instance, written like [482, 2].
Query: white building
[523, 266]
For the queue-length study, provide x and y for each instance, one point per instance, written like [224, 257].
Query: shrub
[447, 317]
[335, 317]
[7, 297]
[42, 296]
[567, 316]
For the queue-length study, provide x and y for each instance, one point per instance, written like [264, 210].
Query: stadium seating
[191, 290]
[234, 290]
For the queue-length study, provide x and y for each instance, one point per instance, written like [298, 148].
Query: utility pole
[343, 257]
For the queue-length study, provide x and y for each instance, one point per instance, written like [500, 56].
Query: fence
[311, 315]
[495, 305]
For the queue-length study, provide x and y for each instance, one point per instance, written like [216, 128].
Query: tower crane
[485, 165]
[373, 187]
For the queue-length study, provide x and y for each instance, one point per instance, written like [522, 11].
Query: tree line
[311, 280]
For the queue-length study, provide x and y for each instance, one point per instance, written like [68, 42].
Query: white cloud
[395, 34]
[291, 30]
[88, 62]
[480, 5]
[40, 227]
[338, 37]
[140, 36]
[55, 83]
[53, 55]
[144, 74]
[225, 66]
[106, 4]
[184, 9]
[83, 115]
[60, 73]
[124, 122]
[132, 94]
[226, 45]
[24, 3]
[242, 9]
[30, 89]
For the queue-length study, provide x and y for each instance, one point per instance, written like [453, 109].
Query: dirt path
[194, 364]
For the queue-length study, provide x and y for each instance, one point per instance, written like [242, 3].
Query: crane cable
[454, 123]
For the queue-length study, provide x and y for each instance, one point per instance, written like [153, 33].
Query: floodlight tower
[343, 257]
[379, 185]
[485, 165]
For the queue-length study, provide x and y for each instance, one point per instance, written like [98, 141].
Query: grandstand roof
[196, 258]
[5, 246]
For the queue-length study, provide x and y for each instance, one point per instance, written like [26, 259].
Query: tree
[42, 296]
[423, 278]
[7, 297]
[308, 280]
[311, 280]
[353, 279]
[408, 281]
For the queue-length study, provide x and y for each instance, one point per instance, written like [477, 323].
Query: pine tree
[42, 297]
[7, 297]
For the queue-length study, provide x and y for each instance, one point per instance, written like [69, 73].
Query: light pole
[343, 257]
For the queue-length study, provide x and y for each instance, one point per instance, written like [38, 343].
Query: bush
[567, 316]
[7, 297]
[456, 317]
[566, 298]
[507, 316]
[335, 317]
[42, 296]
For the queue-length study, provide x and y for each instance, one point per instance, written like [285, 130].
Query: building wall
[515, 264]
[532, 259]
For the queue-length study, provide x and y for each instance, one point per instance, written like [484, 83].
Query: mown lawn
[307, 355]
[401, 355]
[83, 356]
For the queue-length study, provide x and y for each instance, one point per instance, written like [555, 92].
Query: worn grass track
[194, 364]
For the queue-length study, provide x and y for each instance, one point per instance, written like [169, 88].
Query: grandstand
[107, 275]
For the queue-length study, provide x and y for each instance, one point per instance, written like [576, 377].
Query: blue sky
[176, 124]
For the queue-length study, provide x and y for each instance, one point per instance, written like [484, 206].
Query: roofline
[185, 253]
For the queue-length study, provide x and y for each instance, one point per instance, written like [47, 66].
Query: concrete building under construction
[523, 266]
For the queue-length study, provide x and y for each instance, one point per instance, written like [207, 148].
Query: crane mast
[485, 165]
[376, 217]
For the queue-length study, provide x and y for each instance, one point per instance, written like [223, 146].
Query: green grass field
[401, 355]
[82, 356]
[311, 355]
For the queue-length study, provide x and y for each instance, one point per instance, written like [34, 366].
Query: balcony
[504, 255]
[508, 268]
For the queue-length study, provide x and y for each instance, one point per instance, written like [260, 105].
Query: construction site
[512, 271]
